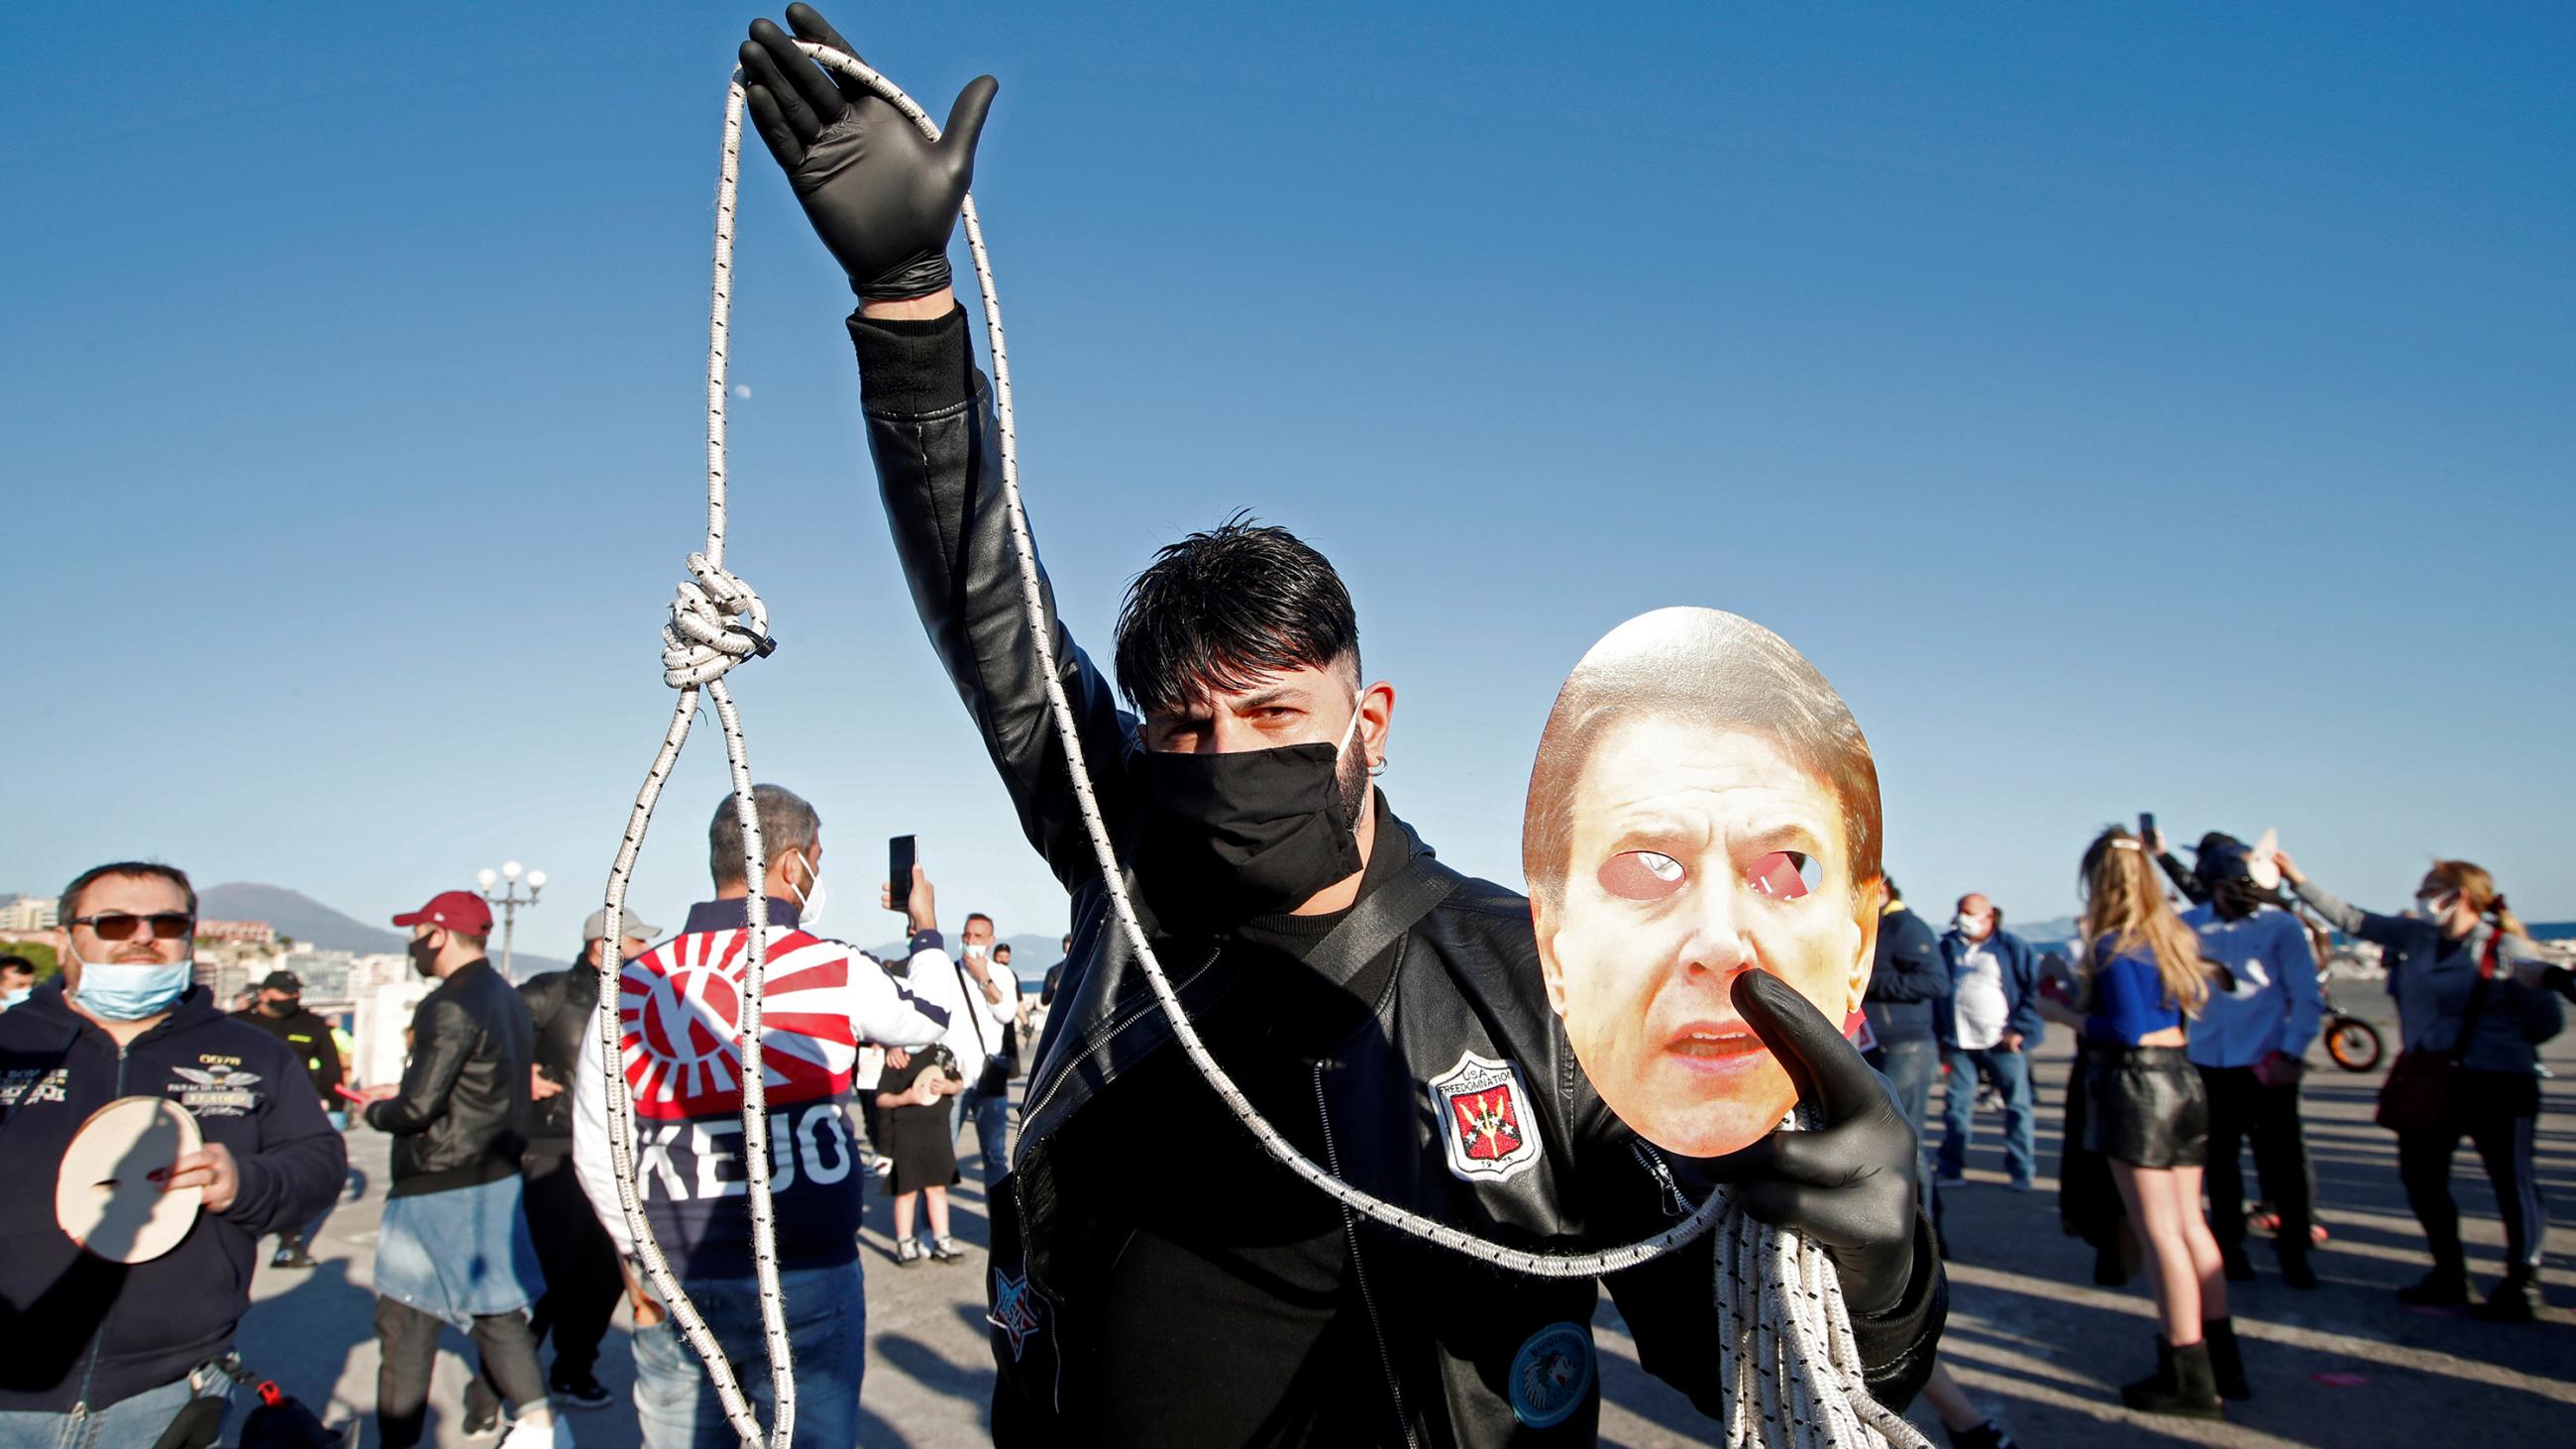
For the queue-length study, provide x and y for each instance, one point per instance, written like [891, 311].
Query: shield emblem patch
[1484, 1113]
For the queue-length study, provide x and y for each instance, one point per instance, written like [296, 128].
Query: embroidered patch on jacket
[1484, 1113]
[220, 1089]
[1551, 1375]
[1015, 1309]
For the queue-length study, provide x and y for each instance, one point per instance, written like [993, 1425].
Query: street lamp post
[509, 878]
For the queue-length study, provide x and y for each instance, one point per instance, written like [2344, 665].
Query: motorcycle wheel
[2354, 1044]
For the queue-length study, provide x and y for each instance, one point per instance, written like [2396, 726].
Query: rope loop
[699, 645]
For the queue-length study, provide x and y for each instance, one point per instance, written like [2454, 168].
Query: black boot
[2514, 1299]
[2182, 1384]
[2226, 1360]
[2295, 1269]
[2444, 1287]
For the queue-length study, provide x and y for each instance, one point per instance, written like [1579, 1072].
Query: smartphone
[899, 872]
[2147, 828]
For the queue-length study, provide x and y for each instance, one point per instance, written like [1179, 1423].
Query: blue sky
[2125, 407]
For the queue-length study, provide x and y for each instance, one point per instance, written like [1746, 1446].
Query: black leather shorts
[2145, 1106]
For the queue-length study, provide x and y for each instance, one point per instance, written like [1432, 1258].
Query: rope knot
[701, 644]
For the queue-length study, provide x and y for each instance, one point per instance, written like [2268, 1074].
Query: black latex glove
[879, 193]
[1849, 1185]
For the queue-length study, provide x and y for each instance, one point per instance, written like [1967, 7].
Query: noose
[1791, 1369]
[700, 645]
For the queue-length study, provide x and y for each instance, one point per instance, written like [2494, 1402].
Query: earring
[1377, 769]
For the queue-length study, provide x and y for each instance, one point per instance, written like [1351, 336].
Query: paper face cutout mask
[1702, 805]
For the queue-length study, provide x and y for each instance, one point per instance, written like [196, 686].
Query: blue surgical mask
[15, 997]
[131, 991]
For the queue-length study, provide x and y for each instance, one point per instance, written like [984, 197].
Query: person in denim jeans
[827, 1324]
[822, 998]
[1988, 1027]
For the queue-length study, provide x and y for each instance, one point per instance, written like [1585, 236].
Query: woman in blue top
[2145, 1110]
[2463, 961]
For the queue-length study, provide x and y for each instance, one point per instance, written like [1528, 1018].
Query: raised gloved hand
[879, 193]
[1849, 1185]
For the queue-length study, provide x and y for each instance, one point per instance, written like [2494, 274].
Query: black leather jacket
[1466, 981]
[560, 1004]
[461, 1115]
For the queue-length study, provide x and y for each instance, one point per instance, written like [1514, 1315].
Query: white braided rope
[1793, 1374]
[699, 645]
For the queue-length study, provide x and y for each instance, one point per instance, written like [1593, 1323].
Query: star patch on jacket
[1489, 1133]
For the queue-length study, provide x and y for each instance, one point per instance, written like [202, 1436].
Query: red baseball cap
[456, 910]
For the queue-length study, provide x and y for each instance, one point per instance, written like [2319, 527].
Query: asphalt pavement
[2029, 1334]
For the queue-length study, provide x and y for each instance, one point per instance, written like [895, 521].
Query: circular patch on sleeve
[1552, 1375]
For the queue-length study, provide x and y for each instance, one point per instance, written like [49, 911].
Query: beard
[1352, 779]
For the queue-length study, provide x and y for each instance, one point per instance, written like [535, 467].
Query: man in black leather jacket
[1156, 1277]
[454, 1247]
[583, 1279]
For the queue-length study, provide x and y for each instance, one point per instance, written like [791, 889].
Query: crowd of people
[502, 1218]
[2194, 1019]
[1354, 991]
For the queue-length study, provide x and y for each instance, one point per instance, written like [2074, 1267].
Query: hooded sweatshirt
[678, 1007]
[82, 1330]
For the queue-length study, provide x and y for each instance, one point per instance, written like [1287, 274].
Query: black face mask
[1226, 837]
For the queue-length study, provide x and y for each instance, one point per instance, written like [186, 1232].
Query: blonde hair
[2125, 901]
[2479, 889]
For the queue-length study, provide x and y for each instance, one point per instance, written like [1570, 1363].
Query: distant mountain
[311, 923]
[295, 914]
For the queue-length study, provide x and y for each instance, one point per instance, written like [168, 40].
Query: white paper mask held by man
[1703, 805]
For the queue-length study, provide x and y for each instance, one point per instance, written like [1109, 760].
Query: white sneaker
[553, 1434]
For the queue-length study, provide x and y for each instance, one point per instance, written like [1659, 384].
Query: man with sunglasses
[101, 1352]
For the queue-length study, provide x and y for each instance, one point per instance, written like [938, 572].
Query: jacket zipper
[1675, 1205]
[1359, 1271]
[1133, 1015]
[89, 1370]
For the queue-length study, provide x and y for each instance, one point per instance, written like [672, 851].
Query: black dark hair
[137, 869]
[2221, 857]
[17, 963]
[973, 916]
[1219, 609]
[1893, 893]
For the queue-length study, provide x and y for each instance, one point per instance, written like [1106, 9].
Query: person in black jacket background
[454, 1247]
[583, 1278]
[279, 1011]
[1907, 977]
[116, 1343]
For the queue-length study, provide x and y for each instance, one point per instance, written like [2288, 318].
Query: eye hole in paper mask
[1710, 737]
[1641, 875]
[1785, 874]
